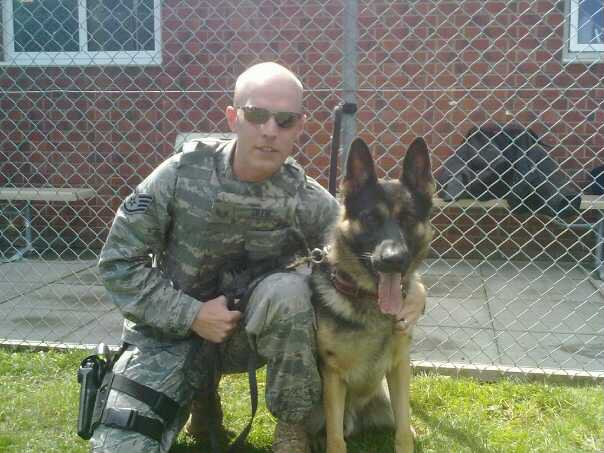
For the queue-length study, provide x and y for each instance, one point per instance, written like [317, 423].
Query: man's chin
[261, 171]
[268, 160]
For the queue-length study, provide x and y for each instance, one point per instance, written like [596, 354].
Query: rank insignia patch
[137, 202]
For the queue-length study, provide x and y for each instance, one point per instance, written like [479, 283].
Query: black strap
[215, 365]
[131, 420]
[161, 404]
[237, 444]
[211, 398]
[216, 370]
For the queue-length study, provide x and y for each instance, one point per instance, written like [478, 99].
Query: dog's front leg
[334, 401]
[399, 381]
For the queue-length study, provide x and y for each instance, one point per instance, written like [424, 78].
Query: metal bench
[588, 202]
[30, 194]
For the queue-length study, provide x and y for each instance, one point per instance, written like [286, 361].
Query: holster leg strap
[159, 403]
[131, 420]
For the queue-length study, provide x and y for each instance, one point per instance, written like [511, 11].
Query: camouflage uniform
[170, 242]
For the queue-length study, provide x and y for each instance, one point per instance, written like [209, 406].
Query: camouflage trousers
[280, 320]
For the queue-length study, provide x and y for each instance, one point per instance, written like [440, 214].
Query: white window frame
[574, 51]
[83, 57]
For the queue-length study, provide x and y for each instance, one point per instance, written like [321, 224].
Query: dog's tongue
[390, 297]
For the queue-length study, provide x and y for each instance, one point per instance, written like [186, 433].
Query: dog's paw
[404, 442]
[335, 446]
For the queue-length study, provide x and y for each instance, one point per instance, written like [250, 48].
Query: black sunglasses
[258, 115]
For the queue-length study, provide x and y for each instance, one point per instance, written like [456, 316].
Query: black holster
[91, 373]
[95, 379]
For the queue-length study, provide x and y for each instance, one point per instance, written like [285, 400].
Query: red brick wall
[424, 68]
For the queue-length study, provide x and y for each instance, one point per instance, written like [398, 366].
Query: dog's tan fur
[358, 344]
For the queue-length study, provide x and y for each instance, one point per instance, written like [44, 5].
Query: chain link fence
[93, 96]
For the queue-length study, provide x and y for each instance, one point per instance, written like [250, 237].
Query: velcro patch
[137, 202]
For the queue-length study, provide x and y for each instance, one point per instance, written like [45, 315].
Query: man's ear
[231, 116]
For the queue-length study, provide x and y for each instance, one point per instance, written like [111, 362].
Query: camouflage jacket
[191, 219]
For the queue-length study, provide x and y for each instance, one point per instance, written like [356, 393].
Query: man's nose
[269, 128]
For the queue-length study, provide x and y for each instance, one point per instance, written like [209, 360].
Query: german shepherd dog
[376, 246]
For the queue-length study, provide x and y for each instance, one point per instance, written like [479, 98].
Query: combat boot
[198, 424]
[290, 438]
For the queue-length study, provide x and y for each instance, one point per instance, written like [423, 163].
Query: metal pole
[335, 149]
[349, 73]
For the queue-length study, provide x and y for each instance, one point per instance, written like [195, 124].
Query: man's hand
[413, 307]
[215, 322]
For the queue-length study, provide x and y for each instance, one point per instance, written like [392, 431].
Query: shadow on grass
[205, 448]
[374, 441]
[444, 427]
[186, 444]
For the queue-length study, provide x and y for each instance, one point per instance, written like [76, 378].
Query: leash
[315, 257]
[211, 397]
[216, 372]
[238, 443]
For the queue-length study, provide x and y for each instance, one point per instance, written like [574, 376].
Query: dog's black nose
[390, 256]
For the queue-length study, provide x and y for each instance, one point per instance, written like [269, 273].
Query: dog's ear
[417, 169]
[359, 167]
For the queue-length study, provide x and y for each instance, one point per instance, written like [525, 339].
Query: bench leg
[20, 253]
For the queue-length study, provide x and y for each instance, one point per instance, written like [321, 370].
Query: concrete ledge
[587, 202]
[490, 373]
[485, 373]
[45, 193]
[592, 202]
[35, 346]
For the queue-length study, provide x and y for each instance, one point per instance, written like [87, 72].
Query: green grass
[38, 407]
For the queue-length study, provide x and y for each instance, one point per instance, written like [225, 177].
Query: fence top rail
[46, 193]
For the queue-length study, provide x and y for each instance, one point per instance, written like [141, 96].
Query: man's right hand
[214, 321]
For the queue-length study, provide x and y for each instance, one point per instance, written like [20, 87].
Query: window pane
[46, 25]
[591, 22]
[120, 25]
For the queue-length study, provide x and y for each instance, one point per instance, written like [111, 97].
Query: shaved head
[264, 144]
[267, 74]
